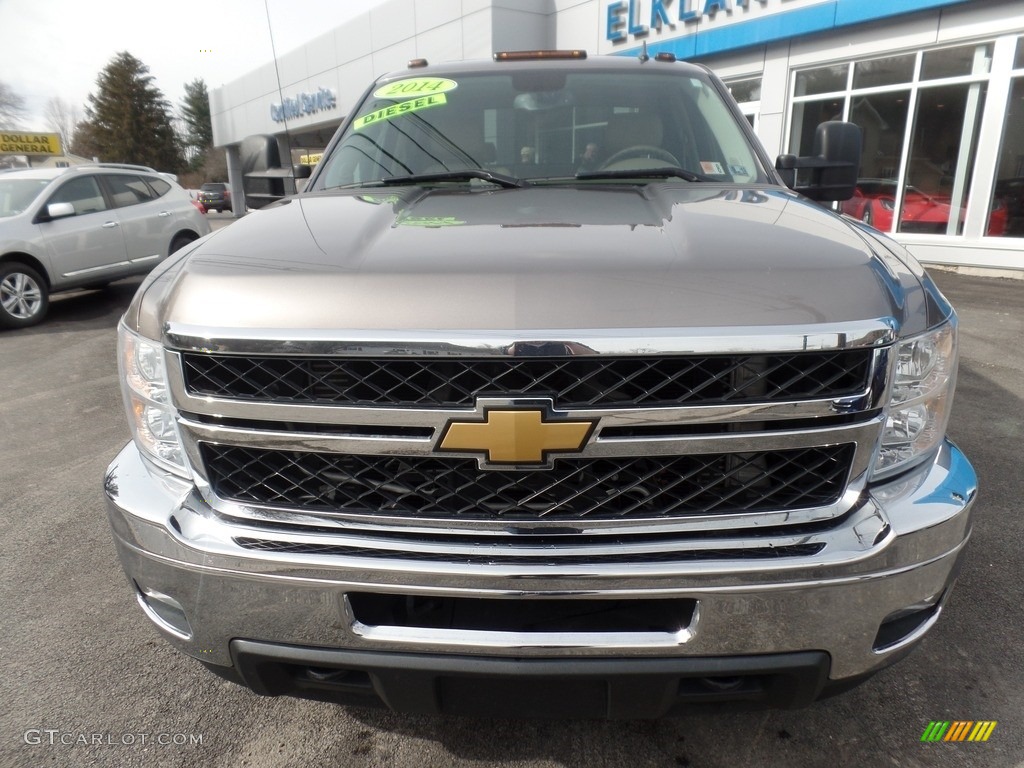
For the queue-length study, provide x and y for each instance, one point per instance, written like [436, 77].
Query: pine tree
[129, 120]
[195, 112]
[84, 143]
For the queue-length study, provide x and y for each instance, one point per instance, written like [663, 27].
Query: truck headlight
[924, 375]
[147, 400]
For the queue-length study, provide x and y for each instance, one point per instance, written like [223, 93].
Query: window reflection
[821, 80]
[942, 152]
[954, 62]
[747, 93]
[891, 70]
[920, 136]
[745, 90]
[1009, 187]
[806, 116]
[882, 118]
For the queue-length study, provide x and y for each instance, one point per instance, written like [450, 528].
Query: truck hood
[579, 257]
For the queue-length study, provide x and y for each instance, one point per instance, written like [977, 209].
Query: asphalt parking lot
[88, 682]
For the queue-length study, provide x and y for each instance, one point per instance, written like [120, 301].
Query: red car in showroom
[874, 201]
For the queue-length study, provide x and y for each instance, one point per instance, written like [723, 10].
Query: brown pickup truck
[622, 424]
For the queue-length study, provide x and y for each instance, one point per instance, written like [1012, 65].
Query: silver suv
[83, 227]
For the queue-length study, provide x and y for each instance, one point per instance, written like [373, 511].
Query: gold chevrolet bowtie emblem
[515, 437]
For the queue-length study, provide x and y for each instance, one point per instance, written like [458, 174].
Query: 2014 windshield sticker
[414, 87]
[402, 108]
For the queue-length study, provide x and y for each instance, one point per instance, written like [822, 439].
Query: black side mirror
[834, 166]
[263, 178]
[786, 166]
[301, 171]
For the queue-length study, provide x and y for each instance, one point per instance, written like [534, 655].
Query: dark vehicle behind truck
[216, 196]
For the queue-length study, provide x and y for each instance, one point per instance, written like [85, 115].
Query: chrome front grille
[570, 382]
[662, 487]
[331, 447]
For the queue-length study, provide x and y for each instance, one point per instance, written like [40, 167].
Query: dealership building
[937, 87]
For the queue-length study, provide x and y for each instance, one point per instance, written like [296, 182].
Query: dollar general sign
[29, 144]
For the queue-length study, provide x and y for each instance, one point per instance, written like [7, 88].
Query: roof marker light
[539, 55]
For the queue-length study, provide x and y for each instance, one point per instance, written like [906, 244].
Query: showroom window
[747, 93]
[1008, 195]
[920, 114]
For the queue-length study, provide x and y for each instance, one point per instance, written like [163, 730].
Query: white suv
[82, 227]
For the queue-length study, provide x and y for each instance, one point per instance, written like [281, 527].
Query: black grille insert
[619, 488]
[522, 614]
[572, 382]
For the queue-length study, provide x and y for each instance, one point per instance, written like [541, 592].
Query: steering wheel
[646, 151]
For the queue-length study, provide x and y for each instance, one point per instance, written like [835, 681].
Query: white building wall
[578, 24]
[772, 125]
[521, 26]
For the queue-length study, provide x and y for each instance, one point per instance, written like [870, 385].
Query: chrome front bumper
[898, 551]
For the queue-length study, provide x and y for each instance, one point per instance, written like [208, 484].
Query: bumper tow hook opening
[324, 675]
[722, 684]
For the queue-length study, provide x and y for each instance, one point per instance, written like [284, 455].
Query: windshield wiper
[464, 174]
[666, 172]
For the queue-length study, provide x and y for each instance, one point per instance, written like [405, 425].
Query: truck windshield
[543, 125]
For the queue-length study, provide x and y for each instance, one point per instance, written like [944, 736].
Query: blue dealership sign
[690, 28]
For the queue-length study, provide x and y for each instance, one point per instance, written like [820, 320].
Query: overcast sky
[57, 48]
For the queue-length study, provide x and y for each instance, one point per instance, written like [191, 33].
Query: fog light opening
[907, 625]
[164, 611]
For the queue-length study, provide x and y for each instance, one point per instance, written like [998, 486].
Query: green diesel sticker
[413, 105]
[419, 86]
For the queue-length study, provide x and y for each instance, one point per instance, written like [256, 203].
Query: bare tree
[181, 136]
[62, 118]
[215, 165]
[12, 107]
